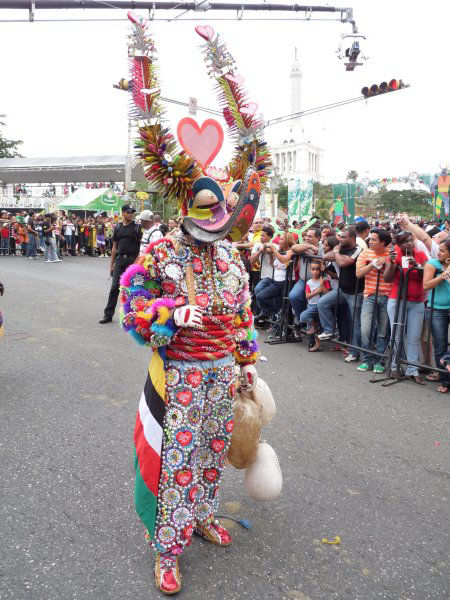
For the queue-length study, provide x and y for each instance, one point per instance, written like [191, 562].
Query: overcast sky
[56, 83]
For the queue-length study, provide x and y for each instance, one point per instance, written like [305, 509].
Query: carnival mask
[213, 202]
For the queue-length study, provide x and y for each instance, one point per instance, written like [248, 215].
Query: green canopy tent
[97, 200]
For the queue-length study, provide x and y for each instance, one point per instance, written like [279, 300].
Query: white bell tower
[296, 85]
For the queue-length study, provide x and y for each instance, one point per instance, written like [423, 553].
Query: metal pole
[127, 186]
[346, 13]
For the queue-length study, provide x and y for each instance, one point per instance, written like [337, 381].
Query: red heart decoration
[205, 31]
[217, 445]
[197, 265]
[194, 493]
[202, 143]
[180, 301]
[194, 378]
[183, 478]
[229, 426]
[168, 287]
[210, 474]
[184, 397]
[229, 298]
[184, 437]
[248, 213]
[202, 300]
[222, 265]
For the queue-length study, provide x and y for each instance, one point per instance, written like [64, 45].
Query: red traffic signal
[375, 90]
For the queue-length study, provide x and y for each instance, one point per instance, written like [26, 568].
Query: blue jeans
[49, 250]
[307, 316]
[297, 298]
[351, 300]
[413, 320]
[69, 242]
[439, 329]
[326, 307]
[4, 246]
[380, 325]
[261, 285]
[270, 298]
[31, 249]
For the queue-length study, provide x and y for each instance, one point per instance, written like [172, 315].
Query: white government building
[293, 155]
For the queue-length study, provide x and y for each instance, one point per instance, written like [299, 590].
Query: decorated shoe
[213, 533]
[167, 573]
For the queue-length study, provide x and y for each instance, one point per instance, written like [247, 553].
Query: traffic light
[375, 90]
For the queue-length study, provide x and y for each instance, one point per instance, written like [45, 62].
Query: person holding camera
[404, 255]
[126, 242]
[262, 257]
[48, 227]
[436, 278]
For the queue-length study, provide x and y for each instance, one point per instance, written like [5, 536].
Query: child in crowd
[315, 288]
[23, 238]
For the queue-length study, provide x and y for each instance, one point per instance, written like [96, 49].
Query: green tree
[8, 148]
[324, 199]
[322, 209]
[352, 175]
[411, 201]
[282, 192]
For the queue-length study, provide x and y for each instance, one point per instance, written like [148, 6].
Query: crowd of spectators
[54, 236]
[345, 287]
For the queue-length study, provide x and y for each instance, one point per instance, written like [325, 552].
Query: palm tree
[322, 209]
[352, 175]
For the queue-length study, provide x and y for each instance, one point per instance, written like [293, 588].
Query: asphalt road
[367, 463]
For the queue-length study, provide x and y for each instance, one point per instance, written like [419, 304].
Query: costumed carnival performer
[187, 298]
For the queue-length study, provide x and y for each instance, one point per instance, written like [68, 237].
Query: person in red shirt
[405, 256]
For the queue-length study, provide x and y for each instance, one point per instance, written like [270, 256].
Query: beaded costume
[187, 298]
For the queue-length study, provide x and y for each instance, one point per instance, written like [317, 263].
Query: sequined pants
[196, 436]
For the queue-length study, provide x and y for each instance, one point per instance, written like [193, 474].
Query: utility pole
[127, 186]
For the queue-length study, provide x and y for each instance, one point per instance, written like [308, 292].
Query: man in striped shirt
[370, 265]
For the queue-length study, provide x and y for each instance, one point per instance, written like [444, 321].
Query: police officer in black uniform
[125, 249]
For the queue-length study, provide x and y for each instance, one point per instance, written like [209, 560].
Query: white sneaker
[56, 260]
[325, 336]
[350, 358]
[47, 261]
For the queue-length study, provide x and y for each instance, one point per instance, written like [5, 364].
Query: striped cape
[148, 437]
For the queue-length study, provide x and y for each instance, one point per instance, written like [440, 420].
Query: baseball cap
[146, 215]
[128, 208]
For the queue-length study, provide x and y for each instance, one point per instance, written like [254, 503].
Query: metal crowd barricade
[400, 322]
[285, 322]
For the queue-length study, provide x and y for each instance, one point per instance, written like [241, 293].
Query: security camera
[352, 53]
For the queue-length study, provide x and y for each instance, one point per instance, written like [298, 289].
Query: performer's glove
[249, 378]
[188, 316]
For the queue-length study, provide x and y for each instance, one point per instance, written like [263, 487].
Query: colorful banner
[343, 207]
[441, 206]
[300, 194]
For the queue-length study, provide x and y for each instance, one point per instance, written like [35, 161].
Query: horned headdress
[185, 175]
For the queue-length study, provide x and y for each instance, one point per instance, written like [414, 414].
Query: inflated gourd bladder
[252, 410]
